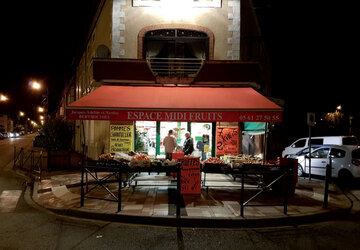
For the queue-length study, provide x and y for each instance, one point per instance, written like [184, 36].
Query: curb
[195, 222]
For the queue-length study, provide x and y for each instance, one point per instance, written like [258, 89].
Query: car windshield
[356, 153]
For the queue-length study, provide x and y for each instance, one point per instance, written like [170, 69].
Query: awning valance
[193, 104]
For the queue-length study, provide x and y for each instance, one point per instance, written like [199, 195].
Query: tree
[58, 134]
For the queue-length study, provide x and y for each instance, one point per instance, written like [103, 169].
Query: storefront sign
[190, 176]
[121, 138]
[227, 141]
[189, 116]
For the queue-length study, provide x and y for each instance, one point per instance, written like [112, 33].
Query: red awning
[196, 104]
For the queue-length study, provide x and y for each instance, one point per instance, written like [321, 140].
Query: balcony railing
[175, 67]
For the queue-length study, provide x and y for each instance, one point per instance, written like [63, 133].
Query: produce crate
[140, 163]
[214, 166]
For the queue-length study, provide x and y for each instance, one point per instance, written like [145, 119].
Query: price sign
[121, 138]
[190, 176]
[227, 140]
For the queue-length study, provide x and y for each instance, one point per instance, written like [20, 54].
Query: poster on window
[227, 141]
[121, 138]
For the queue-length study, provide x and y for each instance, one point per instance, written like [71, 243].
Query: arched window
[175, 51]
[176, 43]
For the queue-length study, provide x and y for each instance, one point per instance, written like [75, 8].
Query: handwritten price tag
[190, 176]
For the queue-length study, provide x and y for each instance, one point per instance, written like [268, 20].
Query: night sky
[39, 40]
[307, 43]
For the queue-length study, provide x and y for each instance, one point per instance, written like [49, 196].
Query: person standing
[201, 146]
[170, 144]
[188, 147]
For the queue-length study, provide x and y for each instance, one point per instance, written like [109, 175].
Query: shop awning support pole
[242, 194]
[266, 142]
[213, 139]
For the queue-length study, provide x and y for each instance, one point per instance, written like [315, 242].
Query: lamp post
[22, 122]
[45, 101]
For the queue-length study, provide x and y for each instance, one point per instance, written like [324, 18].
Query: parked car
[345, 162]
[304, 151]
[302, 143]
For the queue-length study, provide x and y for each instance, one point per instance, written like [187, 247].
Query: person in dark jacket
[188, 147]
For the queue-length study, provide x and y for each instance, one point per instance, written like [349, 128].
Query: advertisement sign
[178, 116]
[190, 176]
[227, 141]
[121, 138]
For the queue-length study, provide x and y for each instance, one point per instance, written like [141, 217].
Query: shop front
[213, 116]
[140, 117]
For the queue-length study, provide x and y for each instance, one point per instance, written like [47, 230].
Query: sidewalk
[60, 192]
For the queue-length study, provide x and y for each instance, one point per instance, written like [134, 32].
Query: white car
[303, 143]
[345, 162]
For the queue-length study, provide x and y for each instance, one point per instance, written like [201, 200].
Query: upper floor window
[176, 43]
[175, 52]
[193, 3]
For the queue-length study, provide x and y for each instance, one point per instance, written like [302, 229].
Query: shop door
[179, 129]
[201, 134]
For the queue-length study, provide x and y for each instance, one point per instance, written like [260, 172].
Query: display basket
[214, 166]
[140, 163]
[155, 164]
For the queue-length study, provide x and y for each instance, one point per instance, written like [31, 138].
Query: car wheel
[300, 171]
[345, 178]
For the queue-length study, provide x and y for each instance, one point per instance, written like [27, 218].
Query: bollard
[327, 180]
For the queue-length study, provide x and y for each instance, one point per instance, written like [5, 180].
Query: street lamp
[3, 98]
[34, 85]
[45, 101]
[339, 107]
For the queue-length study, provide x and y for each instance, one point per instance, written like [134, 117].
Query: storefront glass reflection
[145, 138]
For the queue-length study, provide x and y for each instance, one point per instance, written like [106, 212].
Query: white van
[302, 143]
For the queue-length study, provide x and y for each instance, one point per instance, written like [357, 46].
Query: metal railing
[175, 67]
[29, 160]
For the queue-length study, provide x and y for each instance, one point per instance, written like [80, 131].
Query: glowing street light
[34, 85]
[339, 107]
[3, 98]
[21, 114]
[42, 117]
[40, 109]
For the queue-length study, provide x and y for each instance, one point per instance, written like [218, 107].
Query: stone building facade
[138, 30]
